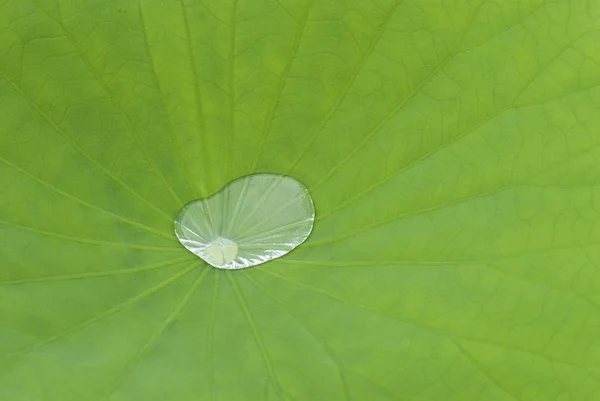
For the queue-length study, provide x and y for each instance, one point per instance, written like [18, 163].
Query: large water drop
[250, 221]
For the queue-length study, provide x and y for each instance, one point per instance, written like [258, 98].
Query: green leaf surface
[451, 148]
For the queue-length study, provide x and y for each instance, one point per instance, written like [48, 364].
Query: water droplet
[250, 221]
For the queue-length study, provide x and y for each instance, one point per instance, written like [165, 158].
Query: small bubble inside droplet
[221, 251]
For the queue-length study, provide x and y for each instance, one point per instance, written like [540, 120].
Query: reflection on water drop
[250, 221]
[221, 252]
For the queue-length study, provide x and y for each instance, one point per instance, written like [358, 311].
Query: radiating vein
[91, 160]
[516, 22]
[353, 76]
[197, 99]
[383, 123]
[530, 282]
[106, 313]
[255, 333]
[378, 386]
[281, 84]
[85, 203]
[404, 168]
[110, 273]
[151, 344]
[483, 371]
[231, 88]
[211, 335]
[522, 184]
[174, 136]
[445, 145]
[116, 104]
[328, 352]
[89, 241]
[523, 253]
[436, 330]
[449, 337]
[373, 263]
[549, 63]
[410, 214]
[347, 302]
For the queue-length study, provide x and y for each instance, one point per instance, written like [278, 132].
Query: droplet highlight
[251, 220]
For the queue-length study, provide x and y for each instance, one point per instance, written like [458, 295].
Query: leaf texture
[451, 149]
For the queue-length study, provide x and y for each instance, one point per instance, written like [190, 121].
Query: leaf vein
[83, 202]
[371, 134]
[102, 274]
[90, 241]
[113, 100]
[353, 76]
[93, 161]
[256, 334]
[106, 313]
[154, 340]
[282, 82]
